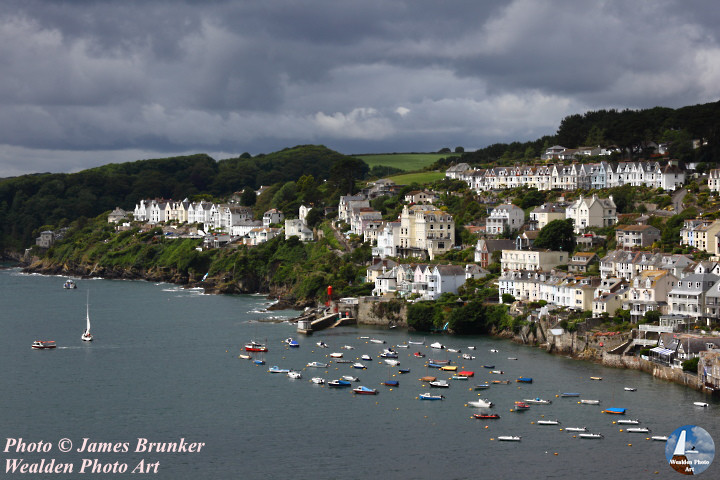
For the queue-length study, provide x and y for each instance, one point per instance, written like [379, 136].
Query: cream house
[546, 213]
[592, 212]
[533, 260]
[649, 291]
[701, 234]
[425, 229]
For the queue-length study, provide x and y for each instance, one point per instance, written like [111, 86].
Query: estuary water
[164, 369]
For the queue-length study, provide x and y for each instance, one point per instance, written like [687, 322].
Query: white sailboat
[86, 336]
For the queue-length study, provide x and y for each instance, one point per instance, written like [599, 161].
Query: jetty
[321, 318]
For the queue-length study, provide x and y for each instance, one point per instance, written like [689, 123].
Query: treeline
[30, 202]
[631, 130]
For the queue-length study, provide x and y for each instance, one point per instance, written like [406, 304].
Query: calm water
[164, 365]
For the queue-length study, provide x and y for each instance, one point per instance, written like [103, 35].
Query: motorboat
[521, 406]
[615, 411]
[637, 430]
[389, 354]
[459, 377]
[480, 403]
[347, 347]
[439, 384]
[390, 383]
[589, 402]
[628, 422]
[69, 284]
[630, 389]
[488, 366]
[437, 346]
[537, 401]
[245, 357]
[410, 342]
[467, 356]
[524, 380]
[569, 394]
[293, 343]
[576, 429]
[87, 336]
[591, 435]
[483, 386]
[548, 422]
[595, 378]
[321, 344]
[659, 438]
[509, 438]
[350, 378]
[318, 380]
[376, 340]
[365, 391]
[366, 358]
[403, 370]
[512, 358]
[497, 372]
[294, 374]
[453, 350]
[440, 362]
[429, 396]
[494, 350]
[336, 355]
[340, 360]
[486, 416]
[449, 368]
[501, 382]
[471, 347]
[701, 404]
[254, 346]
[276, 369]
[428, 379]
[359, 365]
[392, 362]
[43, 344]
[259, 361]
[419, 355]
[338, 383]
[434, 365]
[317, 365]
[466, 373]
[403, 345]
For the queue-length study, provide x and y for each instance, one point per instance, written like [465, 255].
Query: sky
[84, 83]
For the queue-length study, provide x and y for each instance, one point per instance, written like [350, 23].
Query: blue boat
[391, 383]
[434, 365]
[569, 394]
[338, 383]
[259, 362]
[404, 370]
[615, 411]
[489, 366]
[524, 380]
[429, 396]
[276, 369]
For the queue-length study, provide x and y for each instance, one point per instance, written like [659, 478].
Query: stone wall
[367, 314]
[675, 375]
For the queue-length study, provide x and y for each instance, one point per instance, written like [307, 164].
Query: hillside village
[616, 273]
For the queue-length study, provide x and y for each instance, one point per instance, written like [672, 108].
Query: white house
[504, 218]
[592, 212]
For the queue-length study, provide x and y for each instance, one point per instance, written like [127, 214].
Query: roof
[637, 228]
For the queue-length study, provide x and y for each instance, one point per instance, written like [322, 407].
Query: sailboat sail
[87, 336]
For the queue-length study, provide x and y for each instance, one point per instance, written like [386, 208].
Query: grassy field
[409, 162]
[421, 178]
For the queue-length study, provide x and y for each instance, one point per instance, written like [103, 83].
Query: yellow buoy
[629, 444]
[555, 453]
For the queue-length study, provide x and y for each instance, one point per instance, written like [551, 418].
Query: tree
[557, 235]
[345, 171]
[459, 150]
[652, 316]
[248, 197]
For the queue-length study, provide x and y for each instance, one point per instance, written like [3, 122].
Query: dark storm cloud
[89, 82]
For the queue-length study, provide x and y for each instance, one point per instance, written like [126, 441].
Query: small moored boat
[482, 386]
[615, 411]
[480, 403]
[69, 284]
[503, 382]
[595, 378]
[569, 394]
[336, 355]
[488, 366]
[403, 370]
[589, 402]
[276, 369]
[591, 435]
[390, 383]
[467, 356]
[321, 344]
[537, 401]
[317, 365]
[497, 372]
[449, 368]
[338, 383]
[428, 379]
[630, 389]
[509, 438]
[437, 345]
[376, 340]
[520, 406]
[459, 377]
[628, 422]
[701, 404]
[419, 354]
[576, 429]
[486, 416]
[294, 374]
[524, 380]
[365, 391]
[548, 422]
[392, 362]
[366, 358]
[359, 366]
[429, 396]
[254, 346]
[350, 378]
[439, 384]
[637, 430]
[659, 438]
[318, 380]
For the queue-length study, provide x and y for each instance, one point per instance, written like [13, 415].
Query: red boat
[365, 391]
[521, 406]
[483, 416]
[419, 354]
[255, 347]
[43, 344]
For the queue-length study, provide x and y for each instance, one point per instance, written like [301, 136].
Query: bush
[507, 298]
[691, 365]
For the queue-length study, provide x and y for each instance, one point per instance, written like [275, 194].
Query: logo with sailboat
[690, 450]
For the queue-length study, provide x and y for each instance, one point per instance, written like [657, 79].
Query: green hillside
[409, 162]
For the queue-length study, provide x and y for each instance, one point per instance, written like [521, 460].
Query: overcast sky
[89, 82]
